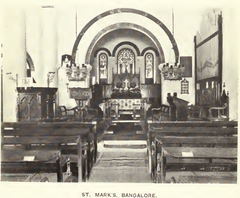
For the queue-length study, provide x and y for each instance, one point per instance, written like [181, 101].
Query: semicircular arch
[149, 48]
[101, 49]
[125, 10]
[117, 26]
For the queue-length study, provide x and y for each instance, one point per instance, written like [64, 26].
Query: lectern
[182, 111]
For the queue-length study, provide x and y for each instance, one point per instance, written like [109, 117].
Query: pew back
[203, 135]
[71, 138]
[13, 161]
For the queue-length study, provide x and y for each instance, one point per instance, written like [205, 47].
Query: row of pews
[207, 149]
[65, 149]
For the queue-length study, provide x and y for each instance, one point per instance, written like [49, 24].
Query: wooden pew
[190, 142]
[56, 134]
[193, 124]
[12, 161]
[207, 179]
[175, 159]
[180, 134]
[46, 129]
[70, 146]
[190, 129]
[208, 141]
[185, 132]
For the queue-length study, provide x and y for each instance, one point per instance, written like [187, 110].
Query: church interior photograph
[119, 92]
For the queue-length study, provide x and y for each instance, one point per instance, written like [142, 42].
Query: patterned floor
[121, 164]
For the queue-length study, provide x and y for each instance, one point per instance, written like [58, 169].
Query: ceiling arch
[118, 26]
[125, 10]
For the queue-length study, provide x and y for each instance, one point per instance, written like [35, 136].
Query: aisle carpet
[121, 162]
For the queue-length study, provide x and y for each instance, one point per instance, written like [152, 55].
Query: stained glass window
[126, 59]
[149, 62]
[103, 66]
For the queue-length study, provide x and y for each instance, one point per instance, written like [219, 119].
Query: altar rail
[76, 141]
[209, 147]
[114, 108]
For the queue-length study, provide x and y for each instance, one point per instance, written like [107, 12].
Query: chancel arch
[124, 26]
[125, 10]
[117, 39]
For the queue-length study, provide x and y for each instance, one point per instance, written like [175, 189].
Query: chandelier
[75, 73]
[172, 71]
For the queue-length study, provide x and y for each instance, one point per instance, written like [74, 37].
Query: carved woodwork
[35, 104]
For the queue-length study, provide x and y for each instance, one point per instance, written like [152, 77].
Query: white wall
[14, 58]
[59, 33]
[231, 60]
[175, 86]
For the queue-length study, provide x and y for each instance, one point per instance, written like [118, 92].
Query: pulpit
[36, 103]
[81, 96]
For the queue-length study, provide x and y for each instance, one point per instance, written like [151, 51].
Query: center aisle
[121, 164]
[122, 155]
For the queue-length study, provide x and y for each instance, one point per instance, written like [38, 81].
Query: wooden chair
[161, 113]
[220, 114]
[66, 114]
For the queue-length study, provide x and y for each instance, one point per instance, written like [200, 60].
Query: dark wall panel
[187, 61]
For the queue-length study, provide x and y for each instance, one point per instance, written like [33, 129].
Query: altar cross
[126, 84]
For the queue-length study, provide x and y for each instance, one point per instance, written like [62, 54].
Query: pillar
[14, 60]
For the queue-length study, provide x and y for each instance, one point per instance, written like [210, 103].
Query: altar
[123, 98]
[125, 108]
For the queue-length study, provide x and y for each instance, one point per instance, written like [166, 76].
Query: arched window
[103, 66]
[149, 65]
[126, 61]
